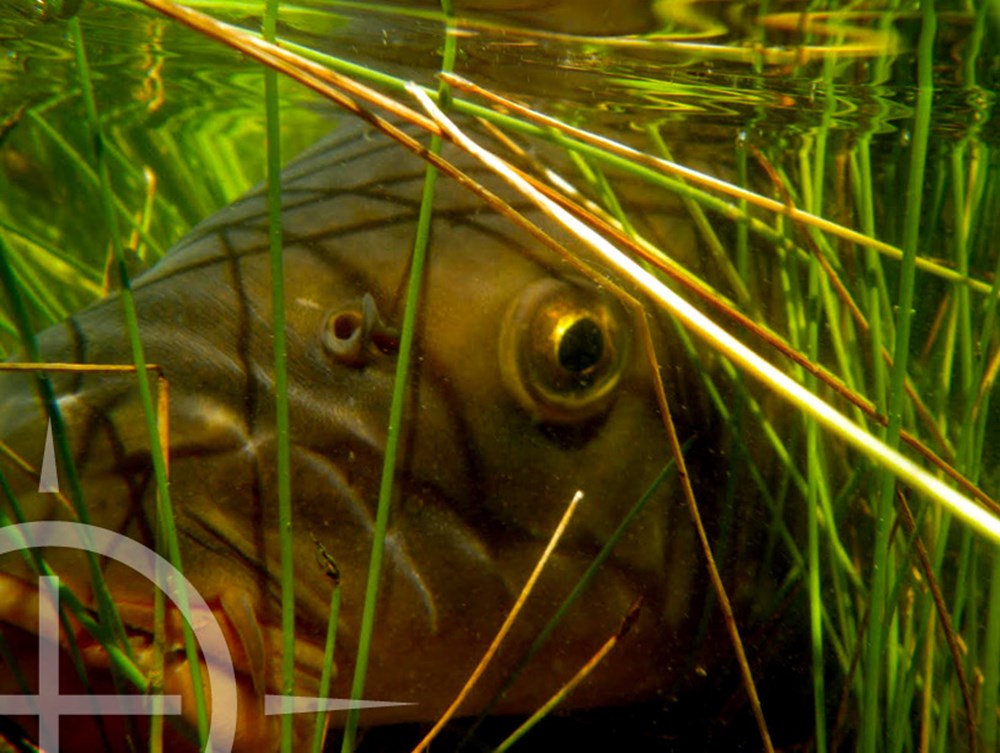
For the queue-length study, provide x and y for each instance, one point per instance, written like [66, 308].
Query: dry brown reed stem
[718, 303]
[906, 516]
[930, 424]
[324, 82]
[716, 579]
[838, 285]
[330, 84]
[91, 368]
[927, 697]
[865, 43]
[321, 80]
[725, 605]
[989, 379]
[156, 674]
[508, 622]
[560, 695]
[680, 171]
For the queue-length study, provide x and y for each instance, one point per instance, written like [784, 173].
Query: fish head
[530, 381]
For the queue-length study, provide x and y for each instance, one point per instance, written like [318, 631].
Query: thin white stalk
[906, 470]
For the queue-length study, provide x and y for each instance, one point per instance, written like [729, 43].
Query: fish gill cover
[731, 291]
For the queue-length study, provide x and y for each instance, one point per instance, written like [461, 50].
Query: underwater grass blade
[818, 265]
[570, 686]
[659, 171]
[327, 82]
[282, 429]
[814, 584]
[716, 580]
[319, 732]
[166, 515]
[112, 630]
[574, 595]
[941, 610]
[882, 569]
[389, 463]
[68, 604]
[907, 470]
[399, 393]
[698, 287]
[846, 159]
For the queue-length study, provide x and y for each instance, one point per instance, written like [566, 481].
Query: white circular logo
[49, 704]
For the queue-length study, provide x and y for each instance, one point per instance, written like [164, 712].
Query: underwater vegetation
[552, 376]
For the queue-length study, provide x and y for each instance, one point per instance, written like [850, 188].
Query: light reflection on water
[169, 98]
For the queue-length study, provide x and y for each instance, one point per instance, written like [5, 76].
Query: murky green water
[190, 110]
[832, 112]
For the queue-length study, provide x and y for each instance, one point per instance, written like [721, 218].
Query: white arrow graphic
[297, 704]
[48, 479]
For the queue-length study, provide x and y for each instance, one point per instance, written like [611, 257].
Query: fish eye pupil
[581, 346]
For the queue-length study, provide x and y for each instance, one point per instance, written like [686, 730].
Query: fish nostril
[345, 325]
[356, 333]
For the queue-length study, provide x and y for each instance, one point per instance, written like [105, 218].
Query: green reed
[397, 408]
[873, 624]
[282, 422]
[883, 568]
[165, 509]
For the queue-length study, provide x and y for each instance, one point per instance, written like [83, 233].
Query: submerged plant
[831, 179]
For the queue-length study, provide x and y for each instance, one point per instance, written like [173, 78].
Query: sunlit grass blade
[804, 400]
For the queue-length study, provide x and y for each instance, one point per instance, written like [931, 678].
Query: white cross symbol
[49, 704]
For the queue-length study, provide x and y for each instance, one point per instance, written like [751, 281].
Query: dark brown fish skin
[483, 477]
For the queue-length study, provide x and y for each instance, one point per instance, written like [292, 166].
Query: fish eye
[562, 350]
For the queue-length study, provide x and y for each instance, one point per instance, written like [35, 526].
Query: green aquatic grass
[328, 664]
[282, 423]
[109, 630]
[164, 507]
[571, 598]
[883, 568]
[886, 692]
[411, 307]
